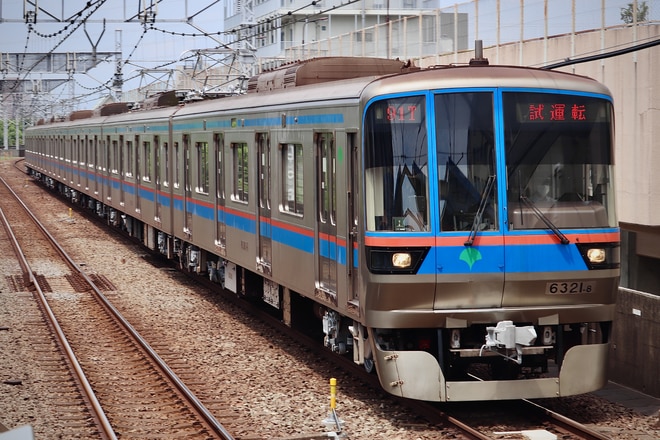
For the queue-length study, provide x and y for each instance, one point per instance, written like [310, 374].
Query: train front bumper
[417, 375]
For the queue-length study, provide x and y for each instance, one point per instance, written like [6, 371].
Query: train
[452, 229]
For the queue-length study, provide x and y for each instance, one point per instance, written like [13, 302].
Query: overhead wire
[96, 5]
[29, 70]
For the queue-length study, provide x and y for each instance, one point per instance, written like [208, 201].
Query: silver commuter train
[452, 228]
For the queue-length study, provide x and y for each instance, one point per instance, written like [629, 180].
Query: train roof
[448, 77]
[337, 80]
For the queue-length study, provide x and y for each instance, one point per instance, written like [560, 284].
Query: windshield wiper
[485, 194]
[544, 219]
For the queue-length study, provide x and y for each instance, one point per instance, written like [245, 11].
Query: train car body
[451, 228]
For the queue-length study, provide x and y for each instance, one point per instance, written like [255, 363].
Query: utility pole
[118, 81]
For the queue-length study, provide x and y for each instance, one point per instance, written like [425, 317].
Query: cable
[614, 53]
[19, 79]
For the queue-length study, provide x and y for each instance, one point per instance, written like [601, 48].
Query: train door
[470, 240]
[73, 162]
[70, 159]
[220, 220]
[106, 183]
[89, 157]
[84, 166]
[138, 173]
[121, 171]
[96, 165]
[94, 142]
[157, 171]
[264, 228]
[326, 234]
[187, 186]
[352, 219]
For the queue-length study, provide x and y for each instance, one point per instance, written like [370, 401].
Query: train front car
[491, 246]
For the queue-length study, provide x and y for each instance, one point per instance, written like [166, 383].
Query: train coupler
[507, 336]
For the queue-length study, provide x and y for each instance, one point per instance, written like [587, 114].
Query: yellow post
[70, 212]
[333, 393]
[333, 421]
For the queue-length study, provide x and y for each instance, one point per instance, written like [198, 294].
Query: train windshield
[396, 165]
[465, 143]
[558, 157]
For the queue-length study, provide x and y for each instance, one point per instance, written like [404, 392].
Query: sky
[158, 46]
[163, 45]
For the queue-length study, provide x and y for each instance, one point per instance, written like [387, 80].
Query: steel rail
[98, 414]
[213, 424]
[569, 424]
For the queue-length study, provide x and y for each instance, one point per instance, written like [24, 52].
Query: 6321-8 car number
[569, 287]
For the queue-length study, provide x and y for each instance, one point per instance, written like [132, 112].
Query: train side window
[146, 172]
[263, 169]
[115, 156]
[219, 144]
[326, 177]
[107, 155]
[91, 153]
[177, 165]
[129, 158]
[292, 178]
[157, 159]
[202, 167]
[241, 171]
[166, 162]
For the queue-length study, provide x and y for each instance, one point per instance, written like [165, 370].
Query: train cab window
[559, 160]
[202, 167]
[396, 165]
[241, 171]
[292, 179]
[465, 143]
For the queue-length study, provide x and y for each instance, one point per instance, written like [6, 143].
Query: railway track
[459, 418]
[127, 390]
[451, 419]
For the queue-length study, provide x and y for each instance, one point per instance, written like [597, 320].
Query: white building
[278, 31]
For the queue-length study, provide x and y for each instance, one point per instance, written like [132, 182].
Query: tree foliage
[12, 133]
[642, 13]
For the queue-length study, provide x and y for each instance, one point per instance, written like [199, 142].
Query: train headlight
[395, 260]
[601, 255]
[401, 260]
[596, 255]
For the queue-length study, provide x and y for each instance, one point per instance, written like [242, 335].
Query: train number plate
[569, 287]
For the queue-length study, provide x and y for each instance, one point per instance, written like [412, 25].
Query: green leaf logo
[470, 255]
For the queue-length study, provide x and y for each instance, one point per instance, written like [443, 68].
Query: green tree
[642, 13]
[12, 133]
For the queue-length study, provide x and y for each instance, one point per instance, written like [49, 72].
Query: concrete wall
[635, 356]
